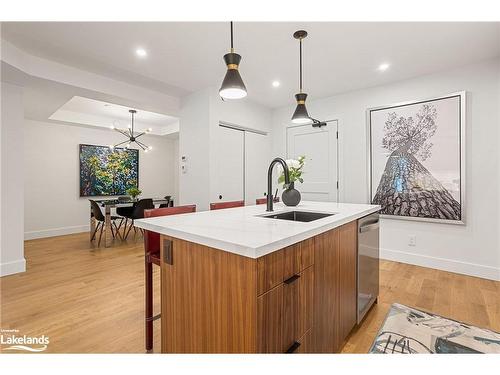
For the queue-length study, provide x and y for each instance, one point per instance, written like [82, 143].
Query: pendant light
[232, 85]
[132, 135]
[300, 116]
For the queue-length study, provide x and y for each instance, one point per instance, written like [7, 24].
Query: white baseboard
[465, 268]
[56, 232]
[10, 268]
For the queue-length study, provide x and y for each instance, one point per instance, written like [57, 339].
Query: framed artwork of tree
[106, 172]
[417, 159]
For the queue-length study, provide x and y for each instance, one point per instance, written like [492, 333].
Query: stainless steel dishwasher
[368, 263]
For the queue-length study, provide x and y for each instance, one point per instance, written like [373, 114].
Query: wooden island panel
[208, 300]
[326, 293]
[348, 239]
[299, 299]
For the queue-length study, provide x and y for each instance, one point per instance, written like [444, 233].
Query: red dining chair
[264, 200]
[221, 205]
[152, 256]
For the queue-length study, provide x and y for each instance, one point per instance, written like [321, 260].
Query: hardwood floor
[468, 299]
[89, 299]
[85, 298]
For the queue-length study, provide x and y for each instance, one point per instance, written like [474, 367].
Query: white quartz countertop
[243, 231]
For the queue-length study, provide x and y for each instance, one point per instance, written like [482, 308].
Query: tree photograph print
[105, 172]
[415, 159]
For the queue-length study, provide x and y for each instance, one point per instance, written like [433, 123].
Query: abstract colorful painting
[417, 159]
[105, 172]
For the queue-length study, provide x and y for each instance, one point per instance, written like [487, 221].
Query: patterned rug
[408, 331]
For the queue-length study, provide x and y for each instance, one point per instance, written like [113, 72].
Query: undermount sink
[303, 216]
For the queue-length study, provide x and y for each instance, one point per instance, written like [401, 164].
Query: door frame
[338, 138]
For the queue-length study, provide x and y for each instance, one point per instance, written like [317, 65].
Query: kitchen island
[235, 281]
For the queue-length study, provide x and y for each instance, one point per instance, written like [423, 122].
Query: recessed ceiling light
[141, 52]
[383, 67]
[276, 83]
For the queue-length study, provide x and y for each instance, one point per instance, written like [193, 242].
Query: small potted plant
[134, 192]
[291, 196]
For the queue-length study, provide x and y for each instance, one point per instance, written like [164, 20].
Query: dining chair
[152, 256]
[168, 198]
[222, 205]
[124, 213]
[101, 222]
[138, 213]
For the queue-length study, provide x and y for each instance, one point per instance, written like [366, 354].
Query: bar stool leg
[149, 303]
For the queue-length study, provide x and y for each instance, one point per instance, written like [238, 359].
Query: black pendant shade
[232, 86]
[300, 116]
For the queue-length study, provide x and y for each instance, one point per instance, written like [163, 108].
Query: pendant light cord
[232, 49]
[300, 69]
[132, 124]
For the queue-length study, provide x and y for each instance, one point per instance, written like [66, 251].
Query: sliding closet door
[257, 159]
[229, 166]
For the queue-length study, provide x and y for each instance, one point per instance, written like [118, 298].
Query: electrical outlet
[184, 164]
[412, 240]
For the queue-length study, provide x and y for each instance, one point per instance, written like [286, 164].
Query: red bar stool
[264, 200]
[221, 205]
[152, 256]
[261, 201]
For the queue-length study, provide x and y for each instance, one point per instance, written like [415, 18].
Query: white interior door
[257, 151]
[319, 145]
[230, 166]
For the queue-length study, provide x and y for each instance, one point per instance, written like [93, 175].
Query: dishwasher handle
[369, 227]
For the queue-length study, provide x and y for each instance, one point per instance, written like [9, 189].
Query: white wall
[194, 140]
[471, 249]
[249, 115]
[12, 197]
[198, 140]
[51, 179]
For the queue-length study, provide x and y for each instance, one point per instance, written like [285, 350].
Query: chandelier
[131, 135]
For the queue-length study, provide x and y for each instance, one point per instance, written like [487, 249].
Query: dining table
[108, 205]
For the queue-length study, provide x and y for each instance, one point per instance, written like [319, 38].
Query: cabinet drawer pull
[167, 252]
[291, 279]
[293, 348]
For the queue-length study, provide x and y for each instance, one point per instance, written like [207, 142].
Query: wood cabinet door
[285, 313]
[274, 268]
[269, 271]
[269, 321]
[307, 253]
[326, 292]
[347, 278]
[291, 311]
[306, 300]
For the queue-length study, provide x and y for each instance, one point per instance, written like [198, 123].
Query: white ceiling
[80, 110]
[184, 57]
